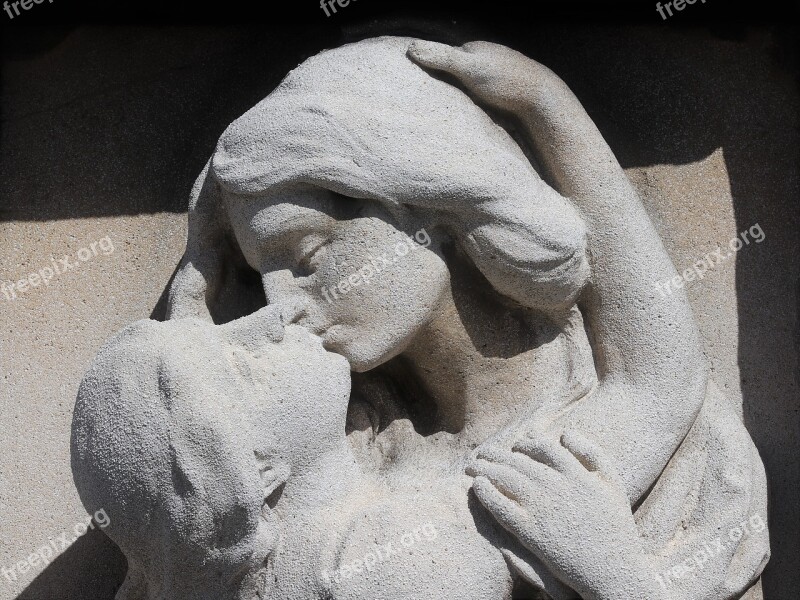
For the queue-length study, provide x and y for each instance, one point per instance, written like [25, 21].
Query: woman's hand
[496, 76]
[562, 499]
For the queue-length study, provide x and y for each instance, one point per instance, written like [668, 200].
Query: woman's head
[370, 149]
[365, 284]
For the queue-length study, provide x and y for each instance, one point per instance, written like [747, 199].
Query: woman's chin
[357, 347]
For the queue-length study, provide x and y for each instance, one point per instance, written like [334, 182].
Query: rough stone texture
[222, 459]
[664, 200]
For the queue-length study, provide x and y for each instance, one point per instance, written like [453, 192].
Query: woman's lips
[326, 334]
[308, 323]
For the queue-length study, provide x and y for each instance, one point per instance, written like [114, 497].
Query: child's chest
[417, 542]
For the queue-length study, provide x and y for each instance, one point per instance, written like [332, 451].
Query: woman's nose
[281, 287]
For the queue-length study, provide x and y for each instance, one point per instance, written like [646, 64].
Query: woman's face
[366, 287]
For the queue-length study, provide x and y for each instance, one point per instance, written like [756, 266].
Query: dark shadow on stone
[160, 310]
[497, 327]
[764, 168]
[130, 134]
[92, 568]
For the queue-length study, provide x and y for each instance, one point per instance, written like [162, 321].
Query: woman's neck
[478, 359]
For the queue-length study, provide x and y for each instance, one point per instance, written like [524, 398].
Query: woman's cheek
[399, 299]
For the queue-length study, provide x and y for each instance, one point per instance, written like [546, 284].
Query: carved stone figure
[415, 350]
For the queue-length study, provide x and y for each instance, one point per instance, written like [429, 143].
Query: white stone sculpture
[527, 417]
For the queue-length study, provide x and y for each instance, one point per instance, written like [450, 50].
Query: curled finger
[441, 57]
[549, 452]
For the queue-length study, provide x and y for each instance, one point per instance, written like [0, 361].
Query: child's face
[298, 395]
[239, 419]
[282, 402]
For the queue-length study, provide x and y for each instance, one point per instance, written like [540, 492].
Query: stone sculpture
[519, 414]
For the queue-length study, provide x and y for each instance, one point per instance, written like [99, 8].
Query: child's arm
[647, 349]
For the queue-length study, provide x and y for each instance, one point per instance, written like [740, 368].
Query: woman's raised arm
[646, 344]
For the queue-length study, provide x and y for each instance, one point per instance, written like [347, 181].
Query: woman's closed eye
[308, 252]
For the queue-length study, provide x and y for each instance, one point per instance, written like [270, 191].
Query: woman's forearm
[625, 310]
[647, 347]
